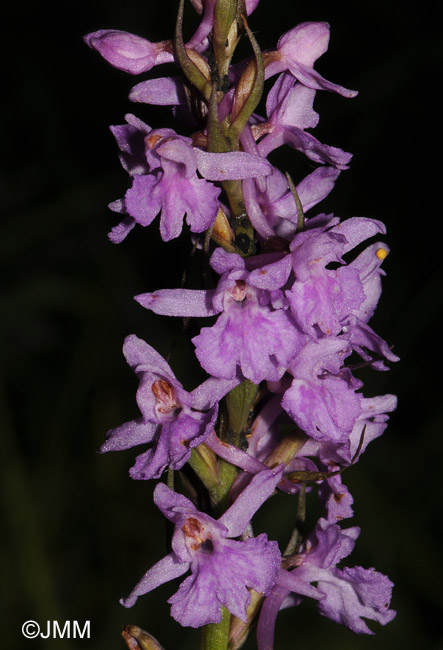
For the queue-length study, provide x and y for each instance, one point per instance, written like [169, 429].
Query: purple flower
[289, 108]
[222, 569]
[321, 298]
[274, 212]
[135, 54]
[164, 168]
[129, 52]
[326, 296]
[336, 497]
[368, 266]
[322, 398]
[345, 596]
[172, 419]
[249, 333]
[368, 426]
[297, 51]
[171, 187]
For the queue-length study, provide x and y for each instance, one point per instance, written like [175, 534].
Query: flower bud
[286, 449]
[222, 233]
[239, 630]
[138, 639]
[123, 50]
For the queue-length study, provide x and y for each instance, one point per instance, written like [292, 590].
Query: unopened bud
[128, 52]
[208, 458]
[239, 630]
[138, 639]
[239, 402]
[287, 448]
[222, 232]
[249, 88]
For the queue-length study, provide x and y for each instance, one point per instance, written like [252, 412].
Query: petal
[323, 412]
[268, 617]
[195, 603]
[223, 262]
[306, 42]
[277, 94]
[327, 545]
[357, 229]
[142, 200]
[120, 232]
[188, 431]
[337, 498]
[216, 355]
[130, 434]
[234, 455]
[262, 485]
[309, 77]
[178, 150]
[290, 580]
[201, 204]
[355, 593]
[233, 165]
[222, 577]
[130, 138]
[164, 91]
[312, 306]
[316, 186]
[255, 213]
[294, 105]
[166, 569]
[211, 391]
[314, 149]
[363, 337]
[271, 276]
[151, 463]
[206, 24]
[374, 591]
[175, 203]
[260, 341]
[171, 503]
[139, 353]
[178, 302]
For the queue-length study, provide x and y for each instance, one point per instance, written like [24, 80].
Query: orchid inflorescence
[290, 301]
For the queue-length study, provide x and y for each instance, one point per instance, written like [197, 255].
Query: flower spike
[287, 294]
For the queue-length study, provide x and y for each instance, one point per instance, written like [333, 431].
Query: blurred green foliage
[76, 532]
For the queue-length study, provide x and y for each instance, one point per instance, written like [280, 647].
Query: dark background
[76, 532]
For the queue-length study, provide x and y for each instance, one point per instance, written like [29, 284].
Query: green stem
[240, 401]
[204, 465]
[215, 636]
[220, 496]
[216, 477]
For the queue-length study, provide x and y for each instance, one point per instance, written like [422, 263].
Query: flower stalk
[215, 636]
